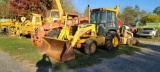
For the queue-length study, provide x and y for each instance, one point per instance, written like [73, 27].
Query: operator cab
[105, 20]
[53, 15]
[36, 19]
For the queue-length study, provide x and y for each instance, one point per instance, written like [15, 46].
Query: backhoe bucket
[58, 50]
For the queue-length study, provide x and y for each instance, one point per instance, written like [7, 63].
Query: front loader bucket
[58, 50]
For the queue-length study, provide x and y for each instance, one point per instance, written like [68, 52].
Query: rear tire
[90, 47]
[130, 41]
[112, 41]
[135, 41]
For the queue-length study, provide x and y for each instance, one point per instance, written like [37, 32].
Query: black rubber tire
[108, 42]
[87, 48]
[53, 33]
[137, 42]
[134, 41]
[130, 41]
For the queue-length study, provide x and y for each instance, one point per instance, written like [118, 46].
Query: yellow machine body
[26, 27]
[126, 36]
[4, 25]
[61, 48]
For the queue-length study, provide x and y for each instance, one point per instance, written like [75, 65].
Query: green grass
[22, 49]
[148, 39]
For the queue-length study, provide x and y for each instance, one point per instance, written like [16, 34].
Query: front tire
[112, 41]
[90, 47]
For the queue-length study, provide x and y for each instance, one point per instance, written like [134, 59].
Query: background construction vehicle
[55, 19]
[28, 27]
[126, 36]
[101, 32]
[53, 15]
[5, 24]
[25, 27]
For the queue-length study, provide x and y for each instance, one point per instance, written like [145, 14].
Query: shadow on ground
[83, 60]
[44, 65]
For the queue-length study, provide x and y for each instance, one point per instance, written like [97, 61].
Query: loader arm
[61, 49]
[58, 6]
[83, 30]
[117, 9]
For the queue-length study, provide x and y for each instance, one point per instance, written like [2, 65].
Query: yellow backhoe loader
[25, 27]
[102, 31]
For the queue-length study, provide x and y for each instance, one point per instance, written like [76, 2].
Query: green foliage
[150, 18]
[21, 49]
[128, 15]
[137, 14]
[157, 10]
[68, 6]
[143, 13]
[137, 10]
[131, 15]
[4, 8]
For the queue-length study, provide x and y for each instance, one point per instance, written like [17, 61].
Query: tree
[68, 6]
[86, 12]
[143, 14]
[157, 10]
[3, 8]
[25, 7]
[128, 15]
[151, 18]
[137, 14]
[48, 4]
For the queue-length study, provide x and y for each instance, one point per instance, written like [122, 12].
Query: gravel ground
[147, 60]
[7, 64]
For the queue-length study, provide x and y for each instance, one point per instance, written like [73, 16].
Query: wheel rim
[115, 41]
[93, 47]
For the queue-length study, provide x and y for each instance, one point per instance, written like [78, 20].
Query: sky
[147, 5]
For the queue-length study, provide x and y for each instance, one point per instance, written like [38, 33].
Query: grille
[145, 32]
